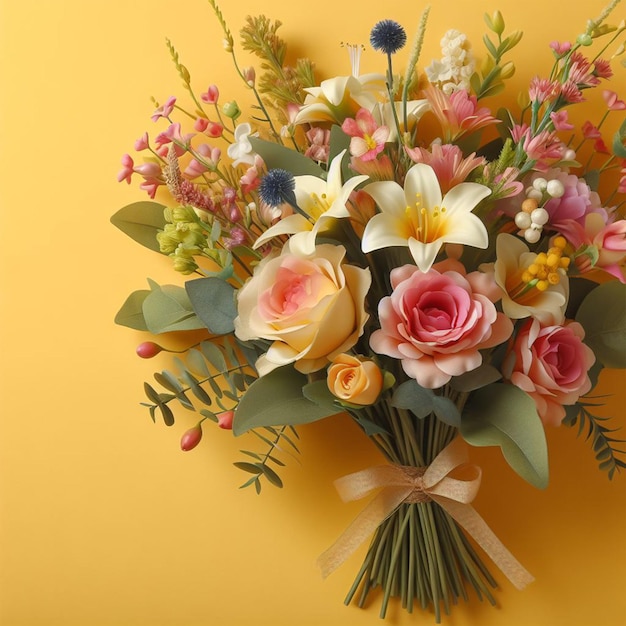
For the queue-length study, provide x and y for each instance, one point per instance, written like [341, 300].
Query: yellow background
[103, 520]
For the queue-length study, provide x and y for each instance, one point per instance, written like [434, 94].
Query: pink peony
[437, 323]
[550, 363]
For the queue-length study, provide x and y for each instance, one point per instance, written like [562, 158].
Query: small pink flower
[448, 162]
[571, 93]
[551, 364]
[580, 72]
[561, 121]
[590, 131]
[319, 147]
[560, 48]
[367, 138]
[150, 186]
[612, 101]
[251, 179]
[541, 148]
[142, 143]
[458, 113]
[602, 68]
[607, 241]
[542, 89]
[165, 110]
[211, 95]
[437, 323]
[126, 172]
[173, 135]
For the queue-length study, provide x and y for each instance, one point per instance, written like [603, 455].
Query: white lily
[418, 217]
[320, 202]
[341, 97]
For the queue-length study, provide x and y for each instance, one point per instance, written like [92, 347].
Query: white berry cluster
[533, 217]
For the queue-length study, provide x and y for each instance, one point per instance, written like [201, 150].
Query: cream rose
[311, 308]
[353, 380]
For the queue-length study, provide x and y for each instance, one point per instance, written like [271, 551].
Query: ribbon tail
[370, 518]
[475, 525]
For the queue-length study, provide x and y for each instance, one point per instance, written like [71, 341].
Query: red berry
[148, 349]
[191, 438]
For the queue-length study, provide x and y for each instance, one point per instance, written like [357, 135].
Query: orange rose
[353, 380]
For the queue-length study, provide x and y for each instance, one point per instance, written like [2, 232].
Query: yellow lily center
[545, 271]
[425, 224]
[318, 206]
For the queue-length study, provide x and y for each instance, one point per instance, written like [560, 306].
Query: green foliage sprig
[598, 434]
[281, 84]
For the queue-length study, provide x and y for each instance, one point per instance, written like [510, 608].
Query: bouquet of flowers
[394, 247]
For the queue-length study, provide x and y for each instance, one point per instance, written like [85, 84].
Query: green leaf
[167, 308]
[319, 393]
[277, 156]
[446, 411]
[276, 399]
[503, 415]
[480, 377]
[340, 141]
[603, 316]
[131, 313]
[213, 301]
[141, 221]
[213, 355]
[413, 397]
[619, 149]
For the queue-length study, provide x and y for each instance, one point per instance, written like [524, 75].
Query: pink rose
[550, 364]
[311, 308]
[436, 323]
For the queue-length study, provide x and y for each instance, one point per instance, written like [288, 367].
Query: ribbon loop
[402, 484]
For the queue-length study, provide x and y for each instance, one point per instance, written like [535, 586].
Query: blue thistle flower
[277, 187]
[388, 36]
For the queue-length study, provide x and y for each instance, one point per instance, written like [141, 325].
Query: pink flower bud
[201, 124]
[127, 169]
[214, 129]
[148, 170]
[225, 420]
[142, 143]
[249, 75]
[211, 96]
[191, 438]
[148, 349]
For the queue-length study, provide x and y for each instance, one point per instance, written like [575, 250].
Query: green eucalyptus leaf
[167, 308]
[603, 316]
[197, 363]
[141, 221]
[280, 157]
[413, 397]
[482, 376]
[131, 313]
[503, 415]
[213, 355]
[271, 475]
[213, 301]
[276, 399]
[253, 468]
[446, 411]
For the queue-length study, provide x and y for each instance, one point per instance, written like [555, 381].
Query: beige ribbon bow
[410, 485]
